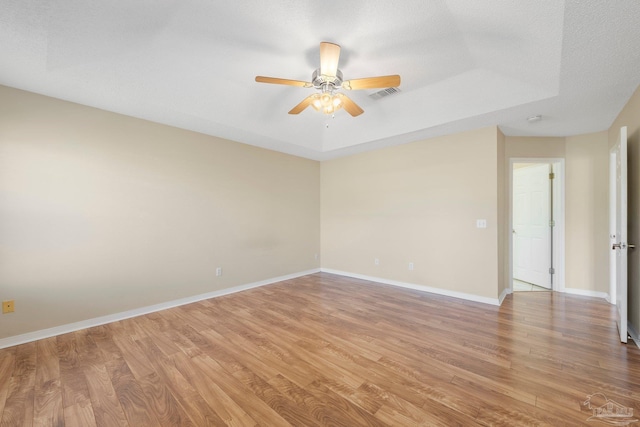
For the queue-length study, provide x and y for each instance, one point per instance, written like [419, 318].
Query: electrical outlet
[410, 266]
[376, 261]
[481, 223]
[316, 257]
[8, 307]
[219, 271]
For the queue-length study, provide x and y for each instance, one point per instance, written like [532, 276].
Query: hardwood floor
[324, 350]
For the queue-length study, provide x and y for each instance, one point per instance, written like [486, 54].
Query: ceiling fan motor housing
[326, 83]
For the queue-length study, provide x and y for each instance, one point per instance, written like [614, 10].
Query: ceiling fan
[328, 79]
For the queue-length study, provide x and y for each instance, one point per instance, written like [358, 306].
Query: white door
[531, 224]
[620, 244]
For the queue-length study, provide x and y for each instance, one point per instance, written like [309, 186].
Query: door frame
[558, 246]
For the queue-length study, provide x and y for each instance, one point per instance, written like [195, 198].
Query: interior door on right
[619, 209]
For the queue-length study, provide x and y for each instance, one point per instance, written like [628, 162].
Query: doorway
[536, 234]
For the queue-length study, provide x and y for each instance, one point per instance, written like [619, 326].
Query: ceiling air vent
[384, 92]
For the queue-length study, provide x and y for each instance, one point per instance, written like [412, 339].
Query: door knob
[622, 246]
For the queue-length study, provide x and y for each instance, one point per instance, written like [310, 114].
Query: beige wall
[587, 212]
[630, 117]
[102, 213]
[534, 147]
[369, 209]
[416, 203]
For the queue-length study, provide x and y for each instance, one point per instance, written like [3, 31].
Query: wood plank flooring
[324, 350]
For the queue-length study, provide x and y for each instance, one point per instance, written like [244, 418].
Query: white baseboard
[96, 321]
[503, 295]
[454, 294]
[586, 293]
[633, 334]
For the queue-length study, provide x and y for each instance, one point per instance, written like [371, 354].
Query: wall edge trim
[633, 334]
[109, 318]
[438, 291]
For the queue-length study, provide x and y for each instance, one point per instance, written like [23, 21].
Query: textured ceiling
[464, 64]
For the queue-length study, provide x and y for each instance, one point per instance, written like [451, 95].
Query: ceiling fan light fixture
[326, 103]
[333, 109]
[317, 104]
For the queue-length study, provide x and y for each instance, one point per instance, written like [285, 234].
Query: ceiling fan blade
[350, 106]
[329, 57]
[304, 104]
[372, 82]
[277, 81]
